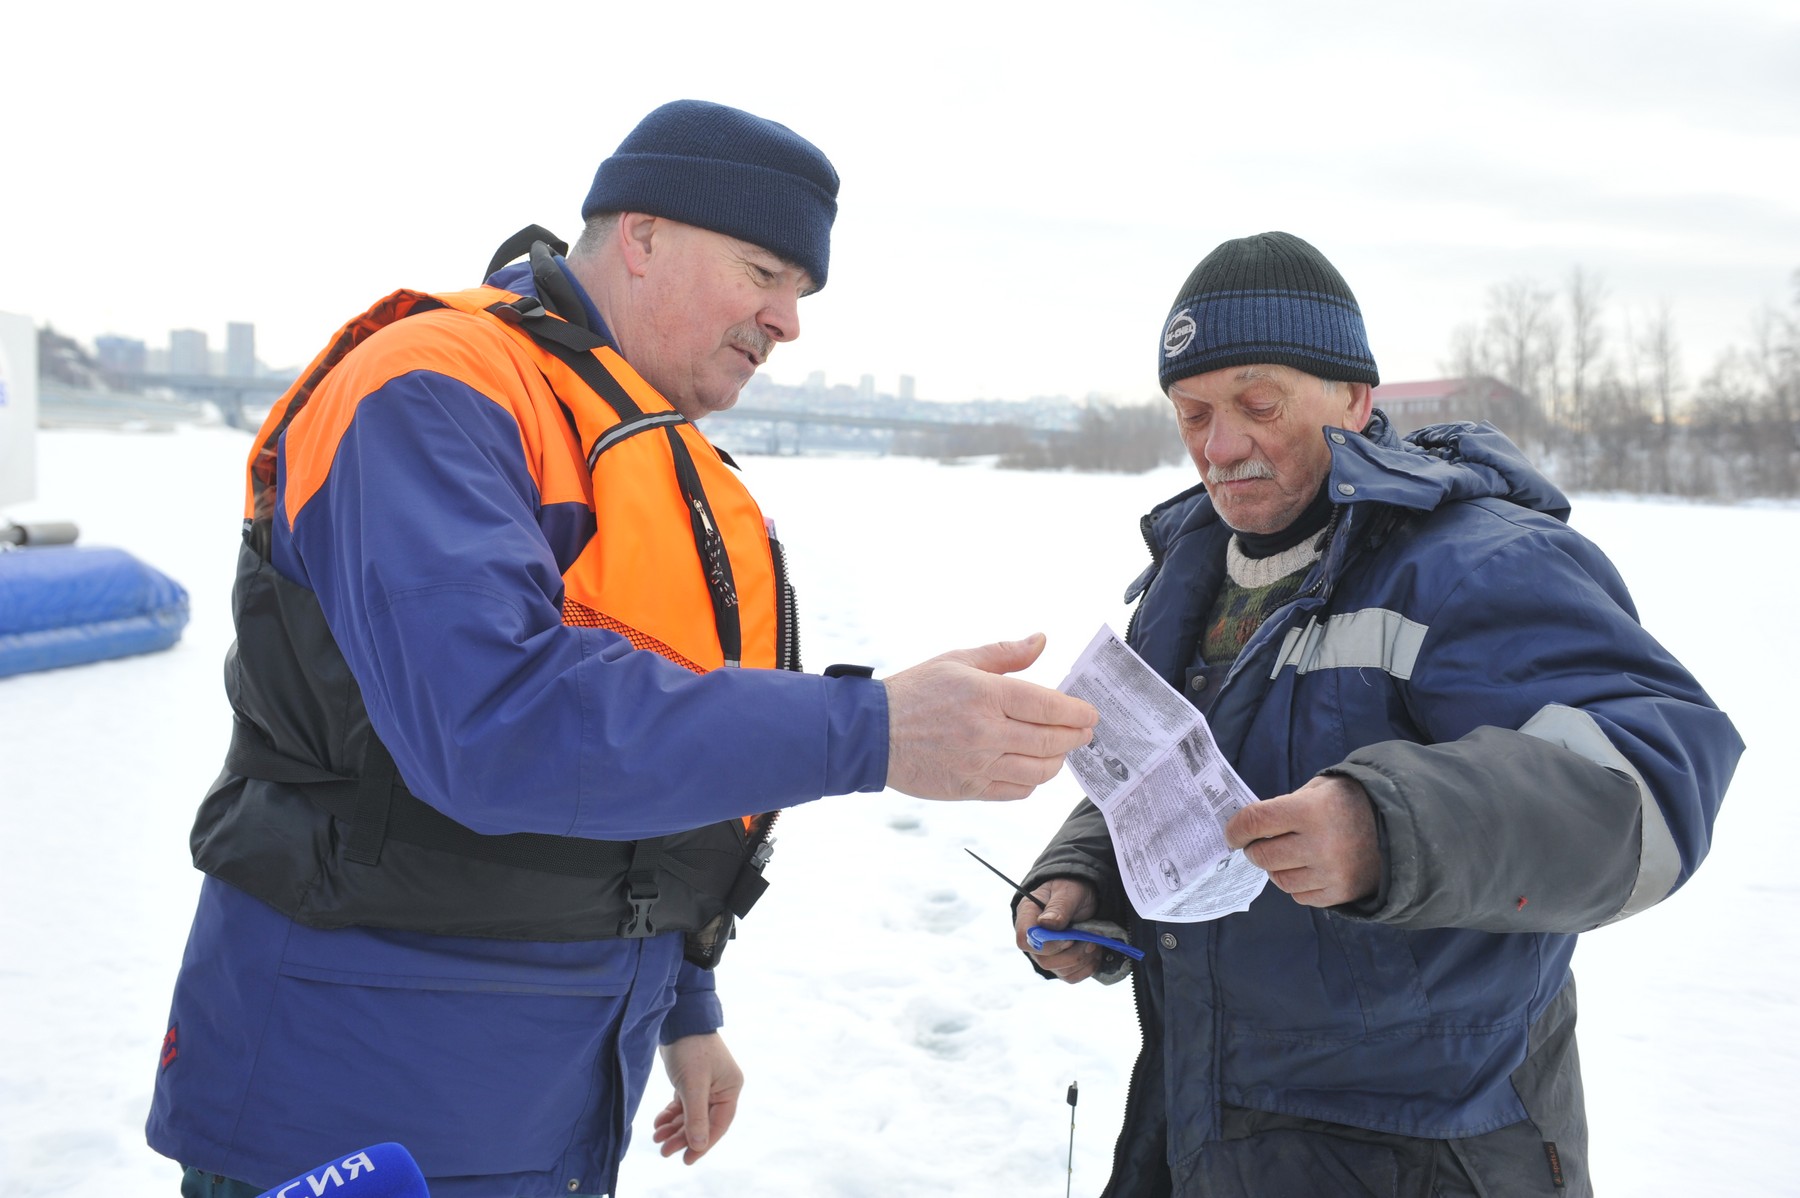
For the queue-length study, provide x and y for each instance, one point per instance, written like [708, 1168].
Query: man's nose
[780, 318]
[1227, 441]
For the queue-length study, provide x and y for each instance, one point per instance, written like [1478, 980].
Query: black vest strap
[554, 288]
[520, 243]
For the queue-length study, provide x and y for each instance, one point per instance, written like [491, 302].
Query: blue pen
[1037, 937]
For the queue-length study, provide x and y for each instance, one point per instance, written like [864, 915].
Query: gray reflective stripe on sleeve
[1373, 638]
[1659, 863]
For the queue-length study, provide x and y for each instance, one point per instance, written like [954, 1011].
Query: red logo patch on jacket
[169, 1051]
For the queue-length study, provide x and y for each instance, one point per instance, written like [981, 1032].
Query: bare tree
[1586, 296]
[1614, 423]
[1773, 361]
[1553, 381]
[1468, 354]
[1661, 360]
[1747, 407]
[1616, 420]
[1519, 336]
[1727, 428]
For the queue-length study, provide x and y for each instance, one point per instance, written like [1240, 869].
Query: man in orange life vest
[511, 703]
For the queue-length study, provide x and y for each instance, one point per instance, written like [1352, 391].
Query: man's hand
[1319, 843]
[1066, 901]
[958, 729]
[707, 1082]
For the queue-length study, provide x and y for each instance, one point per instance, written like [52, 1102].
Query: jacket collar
[1435, 465]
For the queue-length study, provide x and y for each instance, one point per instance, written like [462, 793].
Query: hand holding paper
[1319, 843]
[1166, 791]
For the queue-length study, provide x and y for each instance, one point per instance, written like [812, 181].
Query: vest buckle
[641, 892]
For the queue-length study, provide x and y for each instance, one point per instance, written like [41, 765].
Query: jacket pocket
[472, 1083]
[1382, 970]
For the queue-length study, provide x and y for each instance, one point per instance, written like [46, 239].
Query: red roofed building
[1435, 401]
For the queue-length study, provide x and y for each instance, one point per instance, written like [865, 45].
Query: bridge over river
[166, 400]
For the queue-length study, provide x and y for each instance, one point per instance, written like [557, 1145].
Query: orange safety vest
[685, 569]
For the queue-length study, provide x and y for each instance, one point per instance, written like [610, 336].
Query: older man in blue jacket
[1469, 748]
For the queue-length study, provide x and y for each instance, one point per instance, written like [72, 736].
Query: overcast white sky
[1025, 185]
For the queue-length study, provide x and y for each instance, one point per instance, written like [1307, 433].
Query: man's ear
[636, 234]
[1362, 405]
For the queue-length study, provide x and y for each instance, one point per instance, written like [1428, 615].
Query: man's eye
[762, 274]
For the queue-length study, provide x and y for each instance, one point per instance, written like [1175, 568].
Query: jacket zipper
[1144, 523]
[787, 612]
[1131, 1086]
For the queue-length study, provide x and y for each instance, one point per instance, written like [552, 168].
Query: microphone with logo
[380, 1171]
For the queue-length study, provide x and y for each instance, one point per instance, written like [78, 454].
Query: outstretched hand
[959, 729]
[1319, 843]
[707, 1083]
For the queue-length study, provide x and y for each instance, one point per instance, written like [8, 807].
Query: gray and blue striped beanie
[726, 170]
[1271, 298]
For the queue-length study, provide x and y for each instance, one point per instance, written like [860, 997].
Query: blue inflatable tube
[66, 605]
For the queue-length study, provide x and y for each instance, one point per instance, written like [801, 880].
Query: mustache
[1248, 468]
[759, 344]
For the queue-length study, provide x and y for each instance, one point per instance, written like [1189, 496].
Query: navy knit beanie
[725, 170]
[1269, 298]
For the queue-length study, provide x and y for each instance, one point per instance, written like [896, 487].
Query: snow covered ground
[894, 1042]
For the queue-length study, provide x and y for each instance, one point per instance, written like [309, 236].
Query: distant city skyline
[188, 351]
[184, 352]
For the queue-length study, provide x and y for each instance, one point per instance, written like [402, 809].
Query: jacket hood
[1429, 467]
[1439, 464]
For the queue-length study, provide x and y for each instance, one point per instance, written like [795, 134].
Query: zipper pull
[715, 556]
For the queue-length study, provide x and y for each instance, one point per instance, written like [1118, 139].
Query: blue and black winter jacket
[1538, 763]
